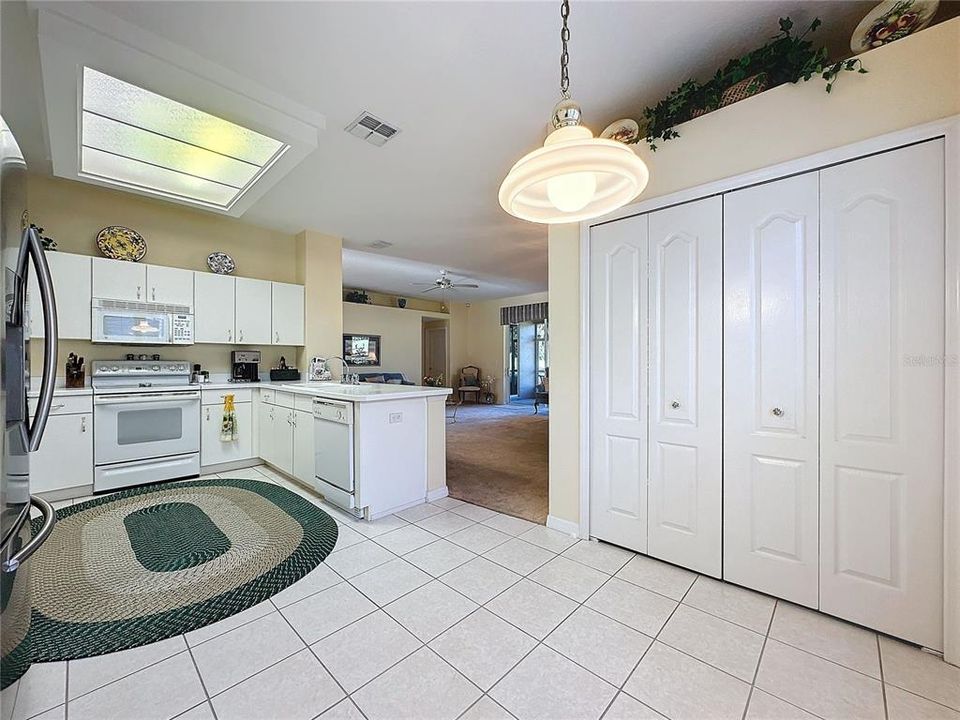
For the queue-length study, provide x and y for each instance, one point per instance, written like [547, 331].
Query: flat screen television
[361, 350]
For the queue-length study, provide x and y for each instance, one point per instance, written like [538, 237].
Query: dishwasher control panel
[338, 412]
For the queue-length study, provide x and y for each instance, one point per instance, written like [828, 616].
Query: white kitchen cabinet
[71, 276]
[618, 382]
[266, 415]
[119, 280]
[254, 316]
[213, 450]
[287, 314]
[214, 308]
[304, 462]
[685, 496]
[283, 439]
[172, 286]
[65, 457]
[882, 392]
[770, 398]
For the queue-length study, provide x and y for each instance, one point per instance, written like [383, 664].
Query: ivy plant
[784, 58]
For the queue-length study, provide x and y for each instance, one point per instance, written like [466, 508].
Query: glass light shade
[573, 177]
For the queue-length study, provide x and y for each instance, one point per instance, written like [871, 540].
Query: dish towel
[228, 428]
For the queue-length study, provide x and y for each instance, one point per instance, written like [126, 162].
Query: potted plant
[784, 58]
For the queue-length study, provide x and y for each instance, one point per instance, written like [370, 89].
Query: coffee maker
[245, 366]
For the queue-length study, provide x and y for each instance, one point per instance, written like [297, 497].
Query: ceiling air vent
[380, 244]
[372, 129]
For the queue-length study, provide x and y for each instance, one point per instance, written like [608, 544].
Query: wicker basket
[744, 89]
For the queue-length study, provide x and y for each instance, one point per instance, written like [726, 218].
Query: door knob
[778, 412]
[675, 404]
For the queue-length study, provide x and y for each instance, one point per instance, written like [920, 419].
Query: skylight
[136, 138]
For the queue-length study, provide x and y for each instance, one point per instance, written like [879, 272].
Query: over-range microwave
[140, 323]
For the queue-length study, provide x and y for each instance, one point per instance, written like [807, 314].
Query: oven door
[141, 426]
[132, 327]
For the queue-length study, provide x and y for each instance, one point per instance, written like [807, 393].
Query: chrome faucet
[347, 378]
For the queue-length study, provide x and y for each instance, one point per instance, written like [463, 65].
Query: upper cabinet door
[618, 382]
[770, 398]
[119, 280]
[288, 314]
[213, 308]
[882, 376]
[71, 288]
[254, 316]
[686, 363]
[172, 286]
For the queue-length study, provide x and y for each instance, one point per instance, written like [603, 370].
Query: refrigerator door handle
[31, 248]
[49, 520]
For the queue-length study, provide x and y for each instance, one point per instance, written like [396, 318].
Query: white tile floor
[450, 611]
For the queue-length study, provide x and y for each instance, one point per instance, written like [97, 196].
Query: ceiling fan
[444, 283]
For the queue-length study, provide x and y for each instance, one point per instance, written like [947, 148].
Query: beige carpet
[497, 458]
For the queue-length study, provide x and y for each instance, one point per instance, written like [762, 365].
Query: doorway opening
[435, 365]
[528, 361]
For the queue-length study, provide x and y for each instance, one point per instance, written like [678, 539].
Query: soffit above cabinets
[191, 133]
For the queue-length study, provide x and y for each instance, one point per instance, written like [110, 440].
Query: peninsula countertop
[364, 392]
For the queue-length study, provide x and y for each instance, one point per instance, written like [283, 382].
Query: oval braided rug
[152, 562]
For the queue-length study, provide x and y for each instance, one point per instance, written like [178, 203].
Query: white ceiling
[470, 85]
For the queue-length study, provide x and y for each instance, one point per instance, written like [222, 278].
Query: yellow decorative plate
[121, 243]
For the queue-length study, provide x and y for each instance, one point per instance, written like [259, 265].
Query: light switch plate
[396, 417]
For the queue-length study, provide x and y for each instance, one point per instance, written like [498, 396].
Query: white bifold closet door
[770, 431]
[882, 385]
[685, 493]
[618, 387]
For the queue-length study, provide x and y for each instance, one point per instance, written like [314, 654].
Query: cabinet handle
[83, 425]
[59, 406]
[229, 335]
[278, 337]
[241, 336]
[138, 292]
[778, 412]
[153, 294]
[208, 413]
[675, 404]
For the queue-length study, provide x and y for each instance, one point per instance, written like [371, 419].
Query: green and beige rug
[156, 561]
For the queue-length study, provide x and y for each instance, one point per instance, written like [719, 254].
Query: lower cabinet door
[267, 415]
[65, 458]
[213, 449]
[283, 439]
[304, 463]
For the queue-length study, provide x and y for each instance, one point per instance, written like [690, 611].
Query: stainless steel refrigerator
[22, 252]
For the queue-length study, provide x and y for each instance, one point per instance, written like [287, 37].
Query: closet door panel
[618, 412]
[881, 429]
[770, 388]
[685, 285]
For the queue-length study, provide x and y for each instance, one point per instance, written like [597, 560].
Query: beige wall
[400, 334]
[910, 82]
[73, 213]
[319, 264]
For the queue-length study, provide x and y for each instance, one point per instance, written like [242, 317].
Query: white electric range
[146, 422]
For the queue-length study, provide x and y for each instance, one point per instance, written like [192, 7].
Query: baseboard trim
[565, 526]
[440, 492]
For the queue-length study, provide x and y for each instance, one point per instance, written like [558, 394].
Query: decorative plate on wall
[892, 20]
[626, 131]
[121, 243]
[221, 263]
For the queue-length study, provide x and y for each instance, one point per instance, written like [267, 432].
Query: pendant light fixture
[574, 176]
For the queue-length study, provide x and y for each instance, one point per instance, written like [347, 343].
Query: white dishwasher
[333, 451]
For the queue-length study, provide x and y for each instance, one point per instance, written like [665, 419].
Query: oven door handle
[146, 398]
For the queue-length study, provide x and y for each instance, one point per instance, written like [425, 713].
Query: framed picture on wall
[361, 350]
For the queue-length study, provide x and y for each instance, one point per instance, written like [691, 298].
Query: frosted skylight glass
[151, 177]
[131, 135]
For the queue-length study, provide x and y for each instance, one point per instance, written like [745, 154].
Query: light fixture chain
[564, 54]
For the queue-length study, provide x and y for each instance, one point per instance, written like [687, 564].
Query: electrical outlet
[396, 417]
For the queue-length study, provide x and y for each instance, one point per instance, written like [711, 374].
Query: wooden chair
[542, 395]
[469, 382]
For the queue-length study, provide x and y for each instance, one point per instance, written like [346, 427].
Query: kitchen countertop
[364, 392]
